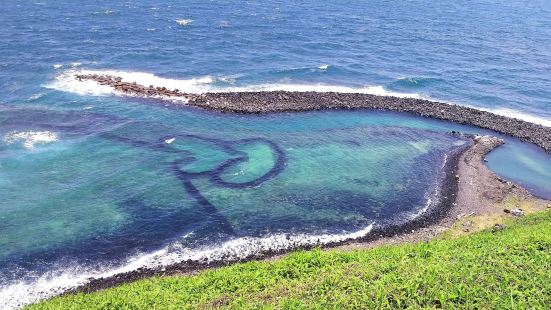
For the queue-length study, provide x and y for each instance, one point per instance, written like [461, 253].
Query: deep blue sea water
[94, 183]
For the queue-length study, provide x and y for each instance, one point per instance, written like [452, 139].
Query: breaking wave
[517, 114]
[373, 90]
[36, 96]
[416, 82]
[30, 138]
[184, 22]
[66, 82]
[63, 278]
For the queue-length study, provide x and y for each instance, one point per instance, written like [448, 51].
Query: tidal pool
[88, 193]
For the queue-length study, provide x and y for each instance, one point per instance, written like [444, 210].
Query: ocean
[94, 183]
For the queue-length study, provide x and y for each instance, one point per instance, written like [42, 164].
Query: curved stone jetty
[285, 101]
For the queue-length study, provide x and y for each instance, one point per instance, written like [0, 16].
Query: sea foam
[184, 22]
[64, 277]
[66, 82]
[518, 115]
[30, 138]
[36, 96]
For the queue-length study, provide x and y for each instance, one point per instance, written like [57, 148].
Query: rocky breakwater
[284, 101]
[133, 88]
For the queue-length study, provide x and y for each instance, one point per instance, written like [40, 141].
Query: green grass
[510, 268]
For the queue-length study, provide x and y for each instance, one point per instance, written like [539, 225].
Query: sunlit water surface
[94, 193]
[93, 184]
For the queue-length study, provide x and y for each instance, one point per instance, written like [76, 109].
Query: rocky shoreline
[469, 190]
[483, 200]
[469, 187]
[284, 101]
[434, 215]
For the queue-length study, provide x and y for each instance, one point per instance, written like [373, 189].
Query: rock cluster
[514, 212]
[279, 101]
[133, 88]
[284, 101]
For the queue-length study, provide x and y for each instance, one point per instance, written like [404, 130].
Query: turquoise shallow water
[91, 192]
[93, 183]
[139, 183]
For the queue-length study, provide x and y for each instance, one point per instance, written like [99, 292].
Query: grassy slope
[510, 268]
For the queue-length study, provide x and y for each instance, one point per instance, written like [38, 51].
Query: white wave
[184, 22]
[36, 96]
[21, 293]
[445, 161]
[76, 64]
[373, 90]
[57, 66]
[518, 115]
[67, 82]
[323, 67]
[151, 29]
[233, 250]
[431, 199]
[106, 12]
[30, 138]
[228, 79]
[504, 112]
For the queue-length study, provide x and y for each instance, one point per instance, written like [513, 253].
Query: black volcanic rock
[285, 101]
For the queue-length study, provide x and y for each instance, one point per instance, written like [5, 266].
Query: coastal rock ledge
[285, 101]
